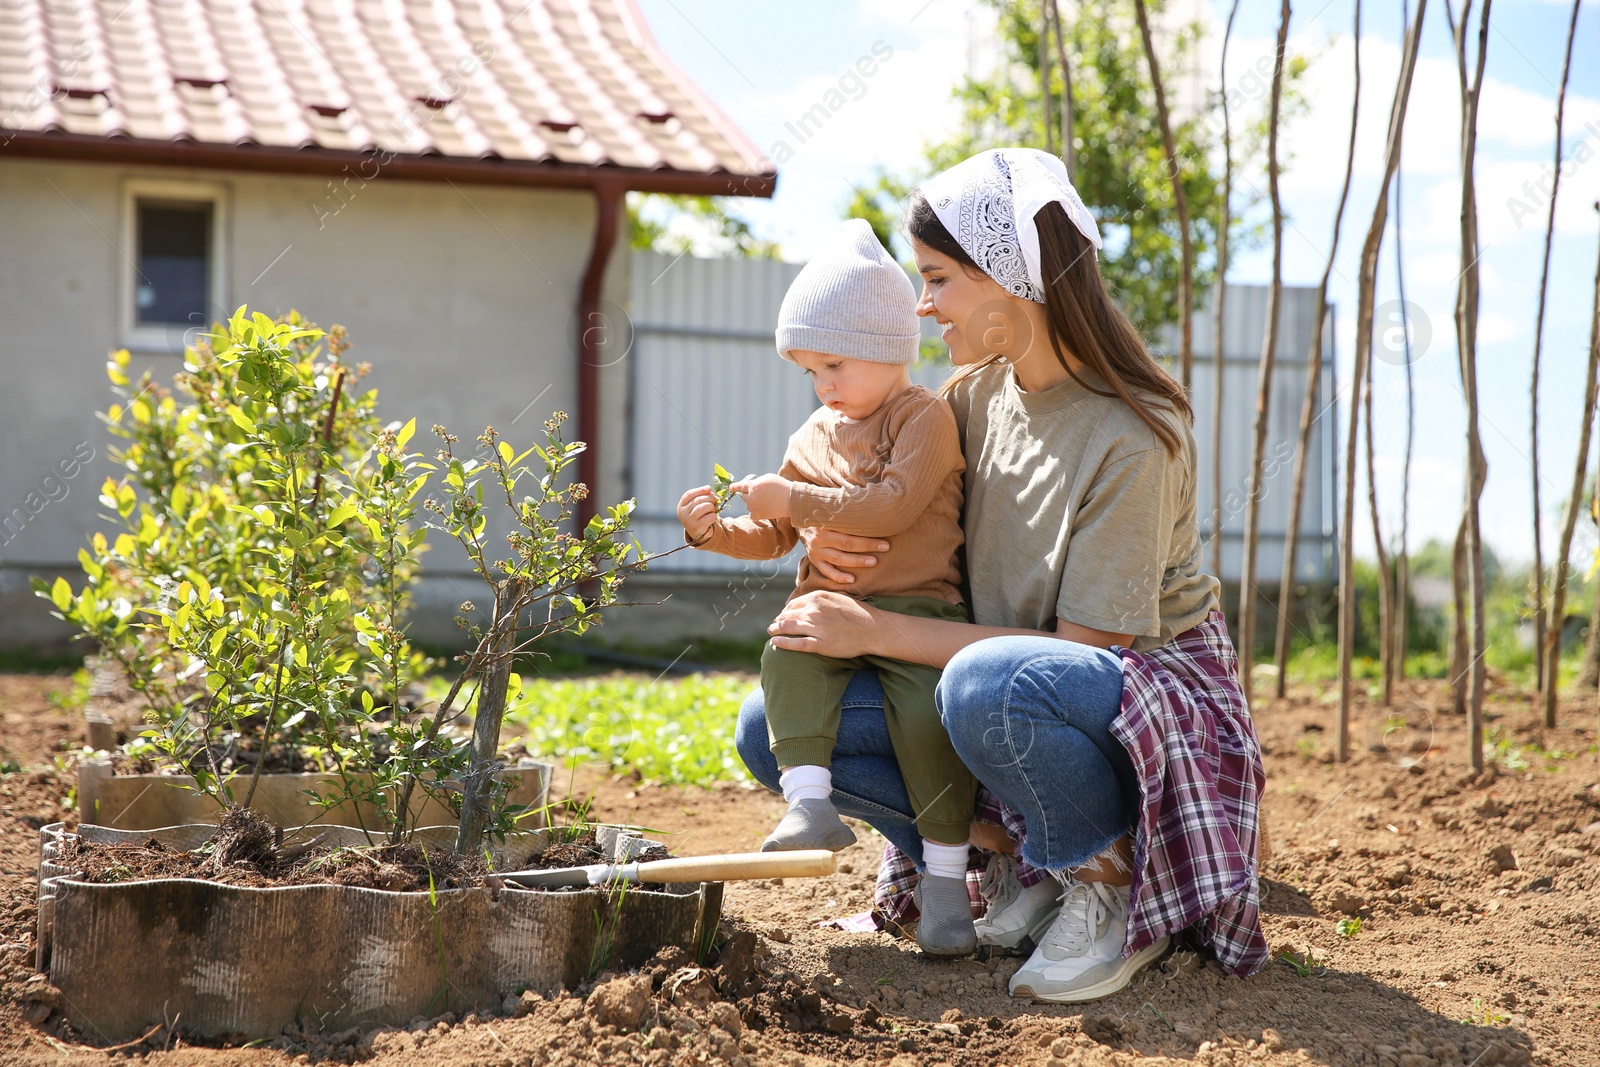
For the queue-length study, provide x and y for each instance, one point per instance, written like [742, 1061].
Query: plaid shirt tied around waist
[1187, 729]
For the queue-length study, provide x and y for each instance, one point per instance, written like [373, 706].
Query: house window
[174, 263]
[174, 250]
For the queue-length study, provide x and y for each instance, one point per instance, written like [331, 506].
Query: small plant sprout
[1304, 964]
[1348, 927]
[721, 486]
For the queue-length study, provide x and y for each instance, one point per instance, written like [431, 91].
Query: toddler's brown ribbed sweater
[895, 474]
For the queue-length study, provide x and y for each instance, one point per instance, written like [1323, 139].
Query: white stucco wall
[462, 298]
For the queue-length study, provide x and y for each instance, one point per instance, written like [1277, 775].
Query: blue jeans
[1030, 717]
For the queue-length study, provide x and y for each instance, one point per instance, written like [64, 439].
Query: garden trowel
[811, 863]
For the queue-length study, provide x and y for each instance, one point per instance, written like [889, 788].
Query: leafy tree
[715, 227]
[1121, 169]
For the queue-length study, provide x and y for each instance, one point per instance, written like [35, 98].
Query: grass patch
[677, 730]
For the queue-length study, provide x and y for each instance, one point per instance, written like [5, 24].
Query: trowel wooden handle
[812, 863]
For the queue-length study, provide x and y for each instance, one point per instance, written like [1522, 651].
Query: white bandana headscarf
[988, 201]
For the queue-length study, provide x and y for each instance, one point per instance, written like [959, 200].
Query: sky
[766, 65]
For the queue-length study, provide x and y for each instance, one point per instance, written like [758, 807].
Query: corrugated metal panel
[1245, 329]
[708, 388]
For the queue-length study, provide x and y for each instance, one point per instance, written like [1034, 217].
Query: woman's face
[979, 317]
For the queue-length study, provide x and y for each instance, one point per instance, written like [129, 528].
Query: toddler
[880, 458]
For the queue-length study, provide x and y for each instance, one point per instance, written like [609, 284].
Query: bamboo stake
[1308, 406]
[1366, 291]
[1180, 202]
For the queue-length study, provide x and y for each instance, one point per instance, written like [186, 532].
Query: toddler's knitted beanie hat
[851, 300]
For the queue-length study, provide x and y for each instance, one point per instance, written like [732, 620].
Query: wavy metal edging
[245, 962]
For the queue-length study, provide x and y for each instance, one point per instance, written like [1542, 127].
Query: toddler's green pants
[802, 692]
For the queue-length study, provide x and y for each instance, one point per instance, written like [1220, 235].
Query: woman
[1095, 693]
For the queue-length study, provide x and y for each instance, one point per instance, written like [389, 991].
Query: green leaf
[61, 594]
[243, 421]
[405, 433]
[341, 513]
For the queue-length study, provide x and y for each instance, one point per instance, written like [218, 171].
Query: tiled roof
[505, 85]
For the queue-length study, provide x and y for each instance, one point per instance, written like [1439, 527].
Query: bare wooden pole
[1180, 202]
[1460, 646]
[1219, 304]
[1366, 291]
[1269, 360]
[1308, 405]
[1402, 570]
[1589, 674]
[1069, 152]
[1538, 345]
[1385, 605]
[1561, 568]
[1467, 298]
[1044, 79]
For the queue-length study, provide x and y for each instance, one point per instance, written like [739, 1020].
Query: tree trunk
[1366, 291]
[1385, 601]
[1402, 575]
[1308, 406]
[1538, 345]
[1269, 360]
[1467, 347]
[1044, 85]
[1180, 201]
[1580, 467]
[1069, 153]
[477, 786]
[1589, 676]
[1219, 306]
[1460, 655]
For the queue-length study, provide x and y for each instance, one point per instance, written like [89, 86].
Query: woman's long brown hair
[1082, 317]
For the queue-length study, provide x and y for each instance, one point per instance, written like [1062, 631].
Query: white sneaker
[1080, 957]
[1017, 915]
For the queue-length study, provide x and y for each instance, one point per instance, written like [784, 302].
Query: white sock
[944, 861]
[806, 782]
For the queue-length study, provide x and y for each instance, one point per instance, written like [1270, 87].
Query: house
[444, 179]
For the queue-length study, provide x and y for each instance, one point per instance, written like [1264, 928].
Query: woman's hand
[829, 624]
[835, 555]
[697, 510]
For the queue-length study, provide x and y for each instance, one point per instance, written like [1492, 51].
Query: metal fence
[707, 387]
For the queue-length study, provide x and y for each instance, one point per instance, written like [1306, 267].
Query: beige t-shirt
[1075, 509]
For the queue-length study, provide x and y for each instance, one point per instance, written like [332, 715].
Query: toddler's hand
[765, 496]
[697, 510]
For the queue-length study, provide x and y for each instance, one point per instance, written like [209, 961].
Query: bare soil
[1478, 898]
[248, 850]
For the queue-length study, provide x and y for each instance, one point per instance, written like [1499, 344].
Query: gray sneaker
[945, 929]
[810, 824]
[1017, 915]
[1079, 957]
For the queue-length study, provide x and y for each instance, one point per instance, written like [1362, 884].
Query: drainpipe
[591, 333]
